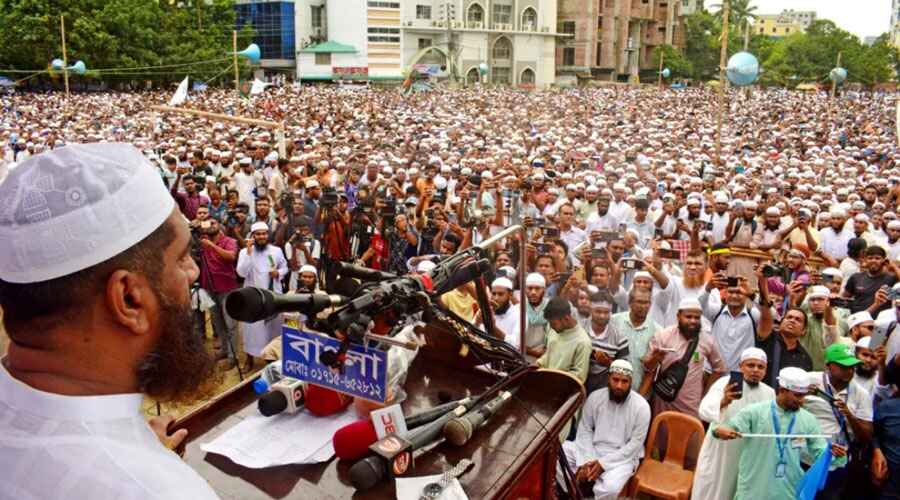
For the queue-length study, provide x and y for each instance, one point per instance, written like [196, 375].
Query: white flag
[180, 94]
[258, 86]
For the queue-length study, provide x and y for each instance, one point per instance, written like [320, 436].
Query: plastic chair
[667, 479]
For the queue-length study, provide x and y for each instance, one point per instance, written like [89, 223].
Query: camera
[542, 248]
[732, 281]
[329, 198]
[550, 232]
[840, 302]
[772, 270]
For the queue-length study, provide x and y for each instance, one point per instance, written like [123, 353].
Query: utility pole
[237, 76]
[833, 80]
[451, 47]
[723, 54]
[62, 31]
[662, 57]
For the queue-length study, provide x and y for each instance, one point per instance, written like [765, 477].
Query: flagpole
[237, 81]
[62, 31]
[807, 436]
[726, 11]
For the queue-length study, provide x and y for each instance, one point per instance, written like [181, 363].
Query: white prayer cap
[693, 201]
[502, 282]
[773, 211]
[754, 353]
[833, 272]
[858, 318]
[818, 291]
[425, 266]
[864, 342]
[894, 224]
[751, 204]
[77, 206]
[307, 268]
[689, 304]
[794, 379]
[272, 157]
[621, 366]
[259, 226]
[244, 161]
[642, 274]
[535, 279]
[508, 271]
[721, 198]
[312, 183]
[861, 218]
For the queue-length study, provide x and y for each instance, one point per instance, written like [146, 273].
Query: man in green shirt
[635, 325]
[824, 323]
[770, 466]
[568, 345]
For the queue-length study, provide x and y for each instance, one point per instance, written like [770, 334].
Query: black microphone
[395, 453]
[423, 417]
[251, 304]
[286, 395]
[348, 270]
[459, 430]
[445, 281]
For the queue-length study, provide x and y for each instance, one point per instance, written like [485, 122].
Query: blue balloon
[483, 68]
[838, 75]
[78, 68]
[57, 64]
[742, 69]
[251, 52]
[666, 72]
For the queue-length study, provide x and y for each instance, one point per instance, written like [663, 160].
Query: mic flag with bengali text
[258, 87]
[814, 479]
[180, 94]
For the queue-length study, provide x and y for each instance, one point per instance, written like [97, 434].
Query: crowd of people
[750, 283]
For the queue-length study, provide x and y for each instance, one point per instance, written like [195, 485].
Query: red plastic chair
[668, 478]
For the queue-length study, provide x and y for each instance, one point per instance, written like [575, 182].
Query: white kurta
[255, 268]
[613, 434]
[508, 323]
[715, 477]
[80, 447]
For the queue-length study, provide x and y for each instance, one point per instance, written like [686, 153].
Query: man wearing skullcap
[261, 265]
[770, 468]
[716, 474]
[536, 326]
[825, 323]
[95, 273]
[609, 442]
[506, 314]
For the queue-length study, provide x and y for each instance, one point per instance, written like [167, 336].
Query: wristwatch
[432, 491]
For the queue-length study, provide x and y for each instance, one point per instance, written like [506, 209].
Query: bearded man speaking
[95, 276]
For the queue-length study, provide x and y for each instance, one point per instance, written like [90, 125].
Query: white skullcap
[535, 279]
[502, 282]
[621, 366]
[307, 268]
[858, 318]
[833, 271]
[509, 271]
[894, 224]
[794, 379]
[721, 198]
[642, 274]
[312, 183]
[273, 156]
[425, 266]
[754, 353]
[689, 304]
[818, 291]
[773, 211]
[861, 218]
[77, 206]
[693, 201]
[259, 226]
[752, 205]
[864, 342]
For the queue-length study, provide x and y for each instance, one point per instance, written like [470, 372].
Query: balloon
[666, 72]
[838, 75]
[742, 69]
[251, 52]
[78, 68]
[57, 64]
[483, 68]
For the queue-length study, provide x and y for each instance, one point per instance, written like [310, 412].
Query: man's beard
[178, 368]
[617, 397]
[260, 246]
[751, 383]
[692, 281]
[864, 371]
[502, 309]
[689, 332]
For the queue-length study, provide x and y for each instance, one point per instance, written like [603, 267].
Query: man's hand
[160, 426]
[724, 432]
[838, 450]
[207, 242]
[248, 243]
[879, 466]
[273, 273]
[881, 296]
[602, 358]
[731, 393]
[588, 472]
[842, 407]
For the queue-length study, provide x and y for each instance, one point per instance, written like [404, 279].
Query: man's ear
[131, 300]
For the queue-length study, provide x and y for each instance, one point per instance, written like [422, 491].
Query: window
[384, 5]
[473, 77]
[566, 27]
[384, 39]
[316, 16]
[388, 35]
[502, 49]
[599, 53]
[423, 12]
[529, 19]
[527, 77]
[787, 30]
[685, 3]
[323, 59]
[500, 75]
[502, 14]
[773, 30]
[424, 42]
[274, 26]
[476, 14]
[569, 56]
[385, 30]
[599, 23]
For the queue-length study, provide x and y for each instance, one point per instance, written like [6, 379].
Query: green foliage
[128, 35]
[677, 63]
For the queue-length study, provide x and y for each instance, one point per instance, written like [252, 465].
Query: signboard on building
[428, 69]
[350, 73]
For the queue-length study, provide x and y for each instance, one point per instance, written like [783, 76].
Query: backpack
[749, 313]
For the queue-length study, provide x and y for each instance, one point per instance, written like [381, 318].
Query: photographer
[218, 277]
[334, 218]
[237, 223]
[300, 250]
[402, 244]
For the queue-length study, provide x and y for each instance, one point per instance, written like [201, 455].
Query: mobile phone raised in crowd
[733, 281]
[736, 378]
[879, 336]
[550, 232]
[667, 253]
[598, 253]
[632, 264]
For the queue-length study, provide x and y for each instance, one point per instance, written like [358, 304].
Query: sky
[861, 17]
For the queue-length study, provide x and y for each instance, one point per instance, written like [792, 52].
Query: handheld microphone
[348, 270]
[286, 395]
[460, 430]
[426, 416]
[352, 441]
[322, 401]
[250, 304]
[394, 454]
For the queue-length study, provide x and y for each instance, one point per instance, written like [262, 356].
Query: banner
[350, 73]
[428, 69]
[180, 94]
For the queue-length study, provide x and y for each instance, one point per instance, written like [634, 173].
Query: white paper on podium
[410, 488]
[302, 438]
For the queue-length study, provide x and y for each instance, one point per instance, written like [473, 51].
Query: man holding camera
[217, 277]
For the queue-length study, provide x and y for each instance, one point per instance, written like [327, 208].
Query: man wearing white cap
[536, 328]
[680, 353]
[95, 272]
[715, 476]
[860, 324]
[867, 371]
[506, 314]
[770, 467]
[308, 281]
[824, 323]
[609, 442]
[261, 265]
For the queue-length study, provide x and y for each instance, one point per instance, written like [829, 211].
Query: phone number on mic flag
[364, 374]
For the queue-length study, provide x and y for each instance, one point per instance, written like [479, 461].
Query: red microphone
[352, 441]
[322, 402]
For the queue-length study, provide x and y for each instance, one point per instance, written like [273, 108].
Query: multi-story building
[274, 23]
[784, 24]
[615, 39]
[802, 17]
[895, 23]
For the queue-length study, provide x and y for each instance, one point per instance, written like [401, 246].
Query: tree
[679, 65]
[739, 16]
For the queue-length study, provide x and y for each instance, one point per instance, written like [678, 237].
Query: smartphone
[473, 195]
[598, 253]
[550, 232]
[737, 378]
[542, 248]
[733, 281]
[665, 253]
[658, 233]
[879, 336]
[564, 277]
[632, 264]
[840, 302]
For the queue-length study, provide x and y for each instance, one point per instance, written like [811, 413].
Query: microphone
[286, 395]
[348, 270]
[445, 280]
[429, 415]
[395, 453]
[250, 304]
[459, 430]
[322, 401]
[352, 441]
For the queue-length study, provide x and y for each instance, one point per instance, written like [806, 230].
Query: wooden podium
[515, 454]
